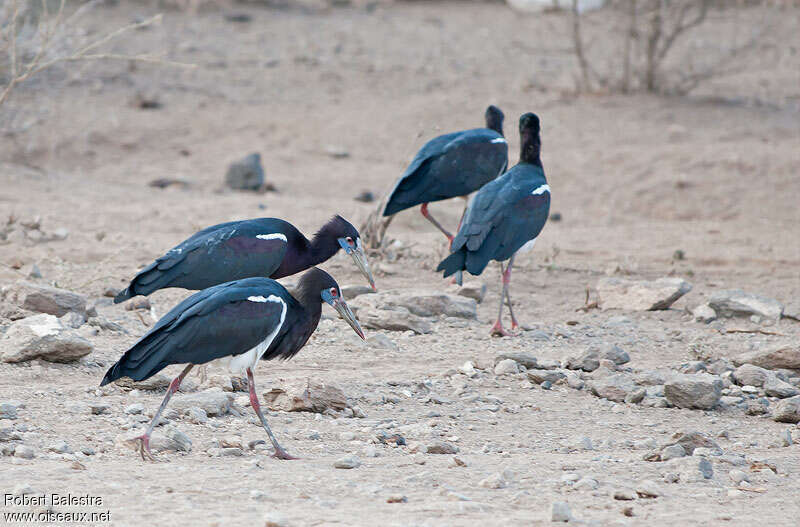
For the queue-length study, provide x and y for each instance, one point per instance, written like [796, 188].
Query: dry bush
[38, 34]
[660, 46]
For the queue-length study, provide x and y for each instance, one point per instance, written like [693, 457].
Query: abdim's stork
[505, 216]
[239, 322]
[450, 166]
[264, 247]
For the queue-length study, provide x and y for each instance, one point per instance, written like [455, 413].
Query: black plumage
[504, 216]
[245, 320]
[451, 166]
[266, 247]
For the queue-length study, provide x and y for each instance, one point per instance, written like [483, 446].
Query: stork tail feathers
[453, 264]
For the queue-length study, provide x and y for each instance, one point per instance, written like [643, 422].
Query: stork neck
[531, 148]
[311, 302]
[320, 249]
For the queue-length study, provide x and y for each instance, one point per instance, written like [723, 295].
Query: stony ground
[635, 179]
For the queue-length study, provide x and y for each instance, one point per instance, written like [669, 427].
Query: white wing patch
[499, 140]
[273, 236]
[541, 189]
[527, 247]
[250, 358]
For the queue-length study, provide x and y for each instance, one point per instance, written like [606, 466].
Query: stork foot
[143, 446]
[499, 331]
[282, 454]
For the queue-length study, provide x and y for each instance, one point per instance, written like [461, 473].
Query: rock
[540, 376]
[735, 302]
[275, 519]
[636, 396]
[8, 411]
[45, 299]
[648, 489]
[72, 320]
[60, 447]
[737, 476]
[704, 313]
[473, 290]
[306, 395]
[521, 357]
[99, 408]
[787, 411]
[42, 336]
[690, 440]
[506, 367]
[23, 452]
[774, 387]
[786, 356]
[559, 512]
[749, 375]
[614, 387]
[213, 401]
[196, 415]
[672, 452]
[246, 174]
[418, 302]
[441, 447]
[347, 462]
[615, 354]
[586, 483]
[589, 360]
[381, 341]
[134, 409]
[642, 295]
[690, 469]
[159, 381]
[700, 391]
[495, 481]
[624, 494]
[394, 319]
[351, 291]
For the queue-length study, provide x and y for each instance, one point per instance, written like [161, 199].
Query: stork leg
[144, 439]
[424, 210]
[280, 453]
[507, 286]
[498, 329]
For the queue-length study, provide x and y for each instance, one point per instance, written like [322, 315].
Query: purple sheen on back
[247, 244]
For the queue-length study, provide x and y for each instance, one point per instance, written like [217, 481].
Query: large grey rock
[691, 440]
[42, 336]
[8, 411]
[640, 295]
[539, 376]
[783, 356]
[614, 387]
[690, 469]
[159, 381]
[589, 360]
[246, 174]
[351, 291]
[420, 303]
[306, 395]
[393, 319]
[700, 390]
[749, 375]
[735, 302]
[775, 387]
[473, 290]
[44, 299]
[521, 357]
[214, 401]
[506, 367]
[787, 411]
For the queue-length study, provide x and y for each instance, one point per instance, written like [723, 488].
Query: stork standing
[266, 247]
[452, 165]
[505, 217]
[240, 322]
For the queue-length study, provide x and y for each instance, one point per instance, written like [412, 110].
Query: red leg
[507, 286]
[424, 210]
[280, 453]
[144, 439]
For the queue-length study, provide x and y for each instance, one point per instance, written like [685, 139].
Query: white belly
[249, 359]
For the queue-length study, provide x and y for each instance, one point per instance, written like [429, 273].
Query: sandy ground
[635, 178]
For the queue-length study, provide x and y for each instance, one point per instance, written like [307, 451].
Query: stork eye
[349, 240]
[333, 292]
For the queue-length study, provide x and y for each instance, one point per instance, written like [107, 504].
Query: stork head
[494, 119]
